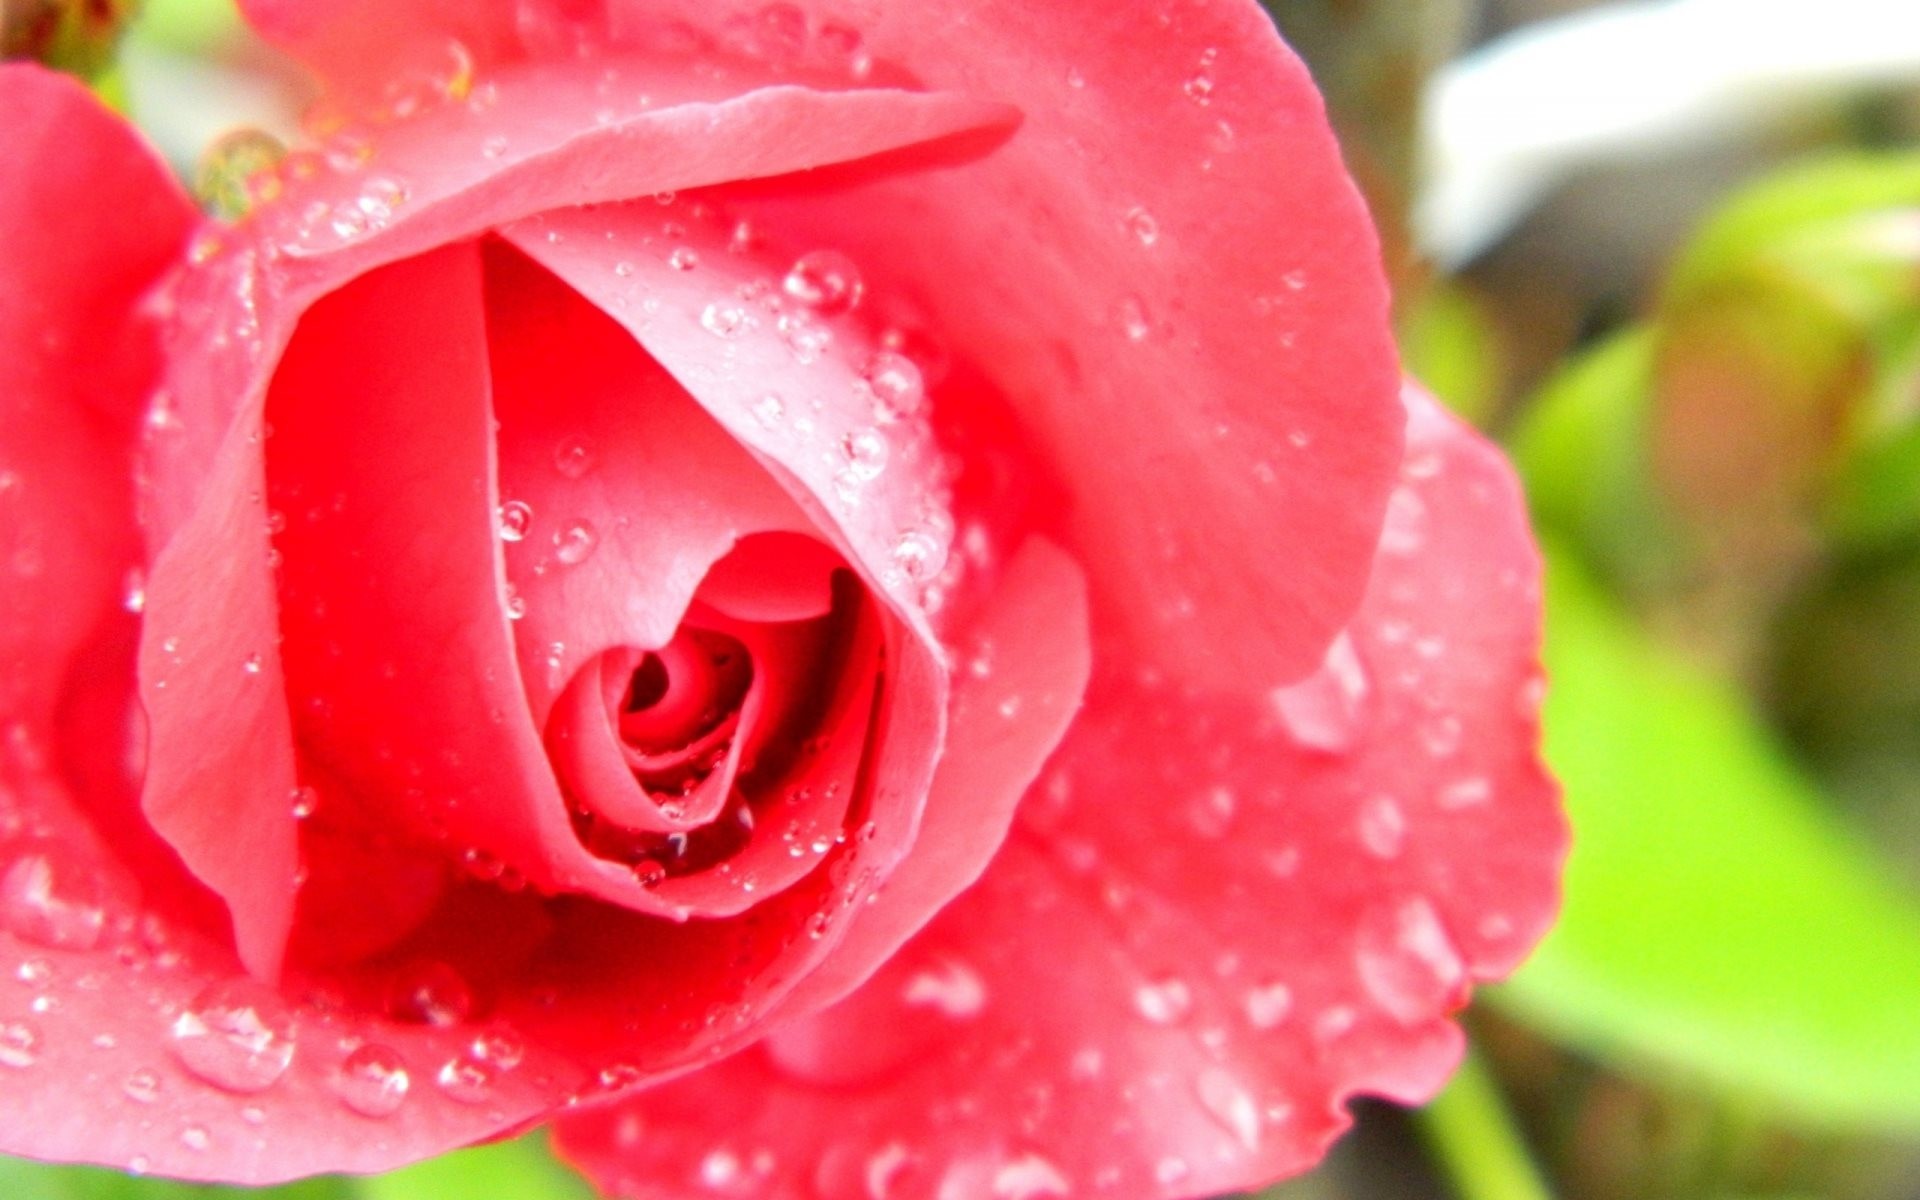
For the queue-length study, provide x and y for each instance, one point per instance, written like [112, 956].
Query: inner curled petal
[729, 761]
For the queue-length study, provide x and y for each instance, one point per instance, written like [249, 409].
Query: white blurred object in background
[1505, 123]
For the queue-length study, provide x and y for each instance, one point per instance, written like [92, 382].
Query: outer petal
[1169, 271]
[1173, 280]
[88, 219]
[1215, 922]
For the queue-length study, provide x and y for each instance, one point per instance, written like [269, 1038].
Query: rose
[484, 634]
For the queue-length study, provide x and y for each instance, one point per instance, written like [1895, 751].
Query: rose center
[685, 696]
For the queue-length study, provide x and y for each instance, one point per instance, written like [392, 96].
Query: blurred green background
[1669, 254]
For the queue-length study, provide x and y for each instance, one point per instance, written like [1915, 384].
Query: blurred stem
[1470, 1132]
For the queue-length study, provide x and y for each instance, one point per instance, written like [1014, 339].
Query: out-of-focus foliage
[1720, 922]
[522, 1169]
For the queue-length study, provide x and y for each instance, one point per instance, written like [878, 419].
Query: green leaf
[1720, 925]
[24, 1180]
[522, 1169]
[1448, 342]
[1583, 452]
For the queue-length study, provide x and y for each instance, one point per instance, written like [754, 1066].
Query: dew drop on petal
[724, 319]
[1268, 1004]
[1407, 961]
[573, 458]
[683, 258]
[866, 453]
[1471, 792]
[1383, 826]
[1131, 317]
[142, 1087]
[897, 385]
[826, 281]
[919, 555]
[237, 1035]
[951, 988]
[514, 520]
[48, 898]
[1231, 1104]
[1030, 1177]
[1163, 1001]
[1327, 711]
[429, 992]
[372, 1081]
[19, 1044]
[575, 544]
[1143, 226]
[467, 1078]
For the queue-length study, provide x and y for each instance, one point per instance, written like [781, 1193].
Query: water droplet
[806, 339]
[883, 1168]
[1211, 812]
[866, 453]
[1327, 710]
[513, 602]
[1131, 316]
[196, 1137]
[573, 458]
[1230, 1104]
[825, 280]
[1470, 792]
[575, 544]
[142, 1087]
[919, 554]
[1029, 1177]
[953, 988]
[1383, 826]
[306, 802]
[372, 1081]
[1142, 224]
[1268, 1005]
[1163, 1001]
[1199, 87]
[1405, 529]
[514, 519]
[493, 147]
[236, 1035]
[724, 318]
[51, 899]
[429, 992]
[467, 1078]
[1171, 1170]
[769, 409]
[683, 258]
[133, 593]
[1408, 962]
[254, 664]
[19, 1044]
[897, 385]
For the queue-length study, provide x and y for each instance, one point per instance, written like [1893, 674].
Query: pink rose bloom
[844, 597]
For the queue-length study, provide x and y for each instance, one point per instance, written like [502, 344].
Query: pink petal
[1171, 277]
[631, 492]
[89, 218]
[1208, 930]
[105, 941]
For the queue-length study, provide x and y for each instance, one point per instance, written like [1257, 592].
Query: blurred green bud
[77, 36]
